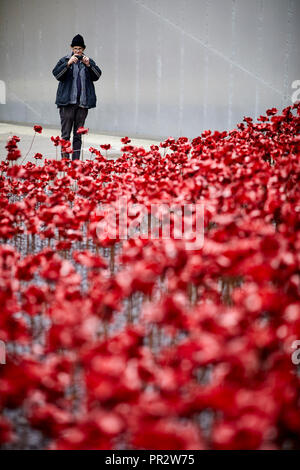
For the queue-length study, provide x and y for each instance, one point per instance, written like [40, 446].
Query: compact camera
[79, 57]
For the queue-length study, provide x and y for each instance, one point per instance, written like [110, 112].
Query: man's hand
[86, 60]
[73, 60]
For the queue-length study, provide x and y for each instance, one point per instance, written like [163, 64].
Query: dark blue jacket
[64, 75]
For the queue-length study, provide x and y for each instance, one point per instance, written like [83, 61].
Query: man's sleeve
[95, 72]
[61, 69]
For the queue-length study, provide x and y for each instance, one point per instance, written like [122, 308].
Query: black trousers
[72, 116]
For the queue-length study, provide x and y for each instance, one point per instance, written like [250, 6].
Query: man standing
[76, 92]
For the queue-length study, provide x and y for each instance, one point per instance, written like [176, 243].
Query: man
[76, 92]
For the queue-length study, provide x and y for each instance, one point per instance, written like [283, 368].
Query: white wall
[170, 67]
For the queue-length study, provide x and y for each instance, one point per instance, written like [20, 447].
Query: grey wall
[170, 67]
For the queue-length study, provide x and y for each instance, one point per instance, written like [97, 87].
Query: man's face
[77, 50]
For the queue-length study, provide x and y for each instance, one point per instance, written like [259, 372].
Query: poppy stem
[29, 149]
[151, 339]
[82, 146]
[130, 305]
[192, 293]
[105, 329]
[27, 245]
[32, 324]
[159, 336]
[112, 259]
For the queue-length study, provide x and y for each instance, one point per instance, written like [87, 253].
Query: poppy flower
[55, 140]
[11, 144]
[38, 129]
[49, 418]
[82, 130]
[127, 148]
[169, 435]
[271, 111]
[110, 341]
[63, 245]
[125, 140]
[6, 431]
[13, 155]
[89, 260]
[33, 298]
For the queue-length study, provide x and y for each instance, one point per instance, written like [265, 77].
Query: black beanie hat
[78, 41]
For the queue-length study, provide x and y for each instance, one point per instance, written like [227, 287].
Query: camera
[79, 57]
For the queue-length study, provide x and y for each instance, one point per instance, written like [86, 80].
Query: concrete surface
[43, 144]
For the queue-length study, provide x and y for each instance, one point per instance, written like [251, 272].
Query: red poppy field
[141, 343]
